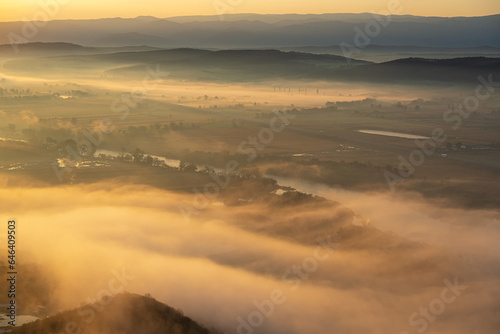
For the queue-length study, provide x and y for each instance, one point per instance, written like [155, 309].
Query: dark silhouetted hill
[458, 70]
[252, 66]
[126, 314]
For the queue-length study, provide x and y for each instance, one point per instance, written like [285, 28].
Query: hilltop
[126, 314]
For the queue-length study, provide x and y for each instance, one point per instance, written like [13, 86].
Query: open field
[177, 120]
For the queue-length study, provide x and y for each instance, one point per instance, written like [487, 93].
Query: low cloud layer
[219, 267]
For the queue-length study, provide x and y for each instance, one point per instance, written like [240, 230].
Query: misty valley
[200, 175]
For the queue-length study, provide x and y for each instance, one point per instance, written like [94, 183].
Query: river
[392, 134]
[407, 215]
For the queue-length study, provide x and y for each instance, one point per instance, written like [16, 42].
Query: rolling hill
[455, 70]
[38, 49]
[126, 314]
[191, 64]
[252, 66]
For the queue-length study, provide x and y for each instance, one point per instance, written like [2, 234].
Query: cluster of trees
[71, 147]
[139, 157]
[295, 111]
[458, 146]
[366, 101]
[14, 91]
[41, 97]
[190, 167]
[77, 93]
[27, 93]
[313, 110]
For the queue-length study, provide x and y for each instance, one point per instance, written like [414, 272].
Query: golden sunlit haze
[17, 10]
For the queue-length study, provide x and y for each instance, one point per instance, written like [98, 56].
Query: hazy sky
[16, 10]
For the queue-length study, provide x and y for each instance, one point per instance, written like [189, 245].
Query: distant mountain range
[38, 49]
[371, 53]
[239, 65]
[268, 31]
[126, 314]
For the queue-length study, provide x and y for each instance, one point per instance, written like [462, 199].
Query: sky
[17, 10]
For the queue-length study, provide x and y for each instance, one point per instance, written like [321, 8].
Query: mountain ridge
[126, 313]
[267, 31]
[243, 65]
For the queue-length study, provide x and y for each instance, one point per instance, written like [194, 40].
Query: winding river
[407, 215]
[392, 134]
